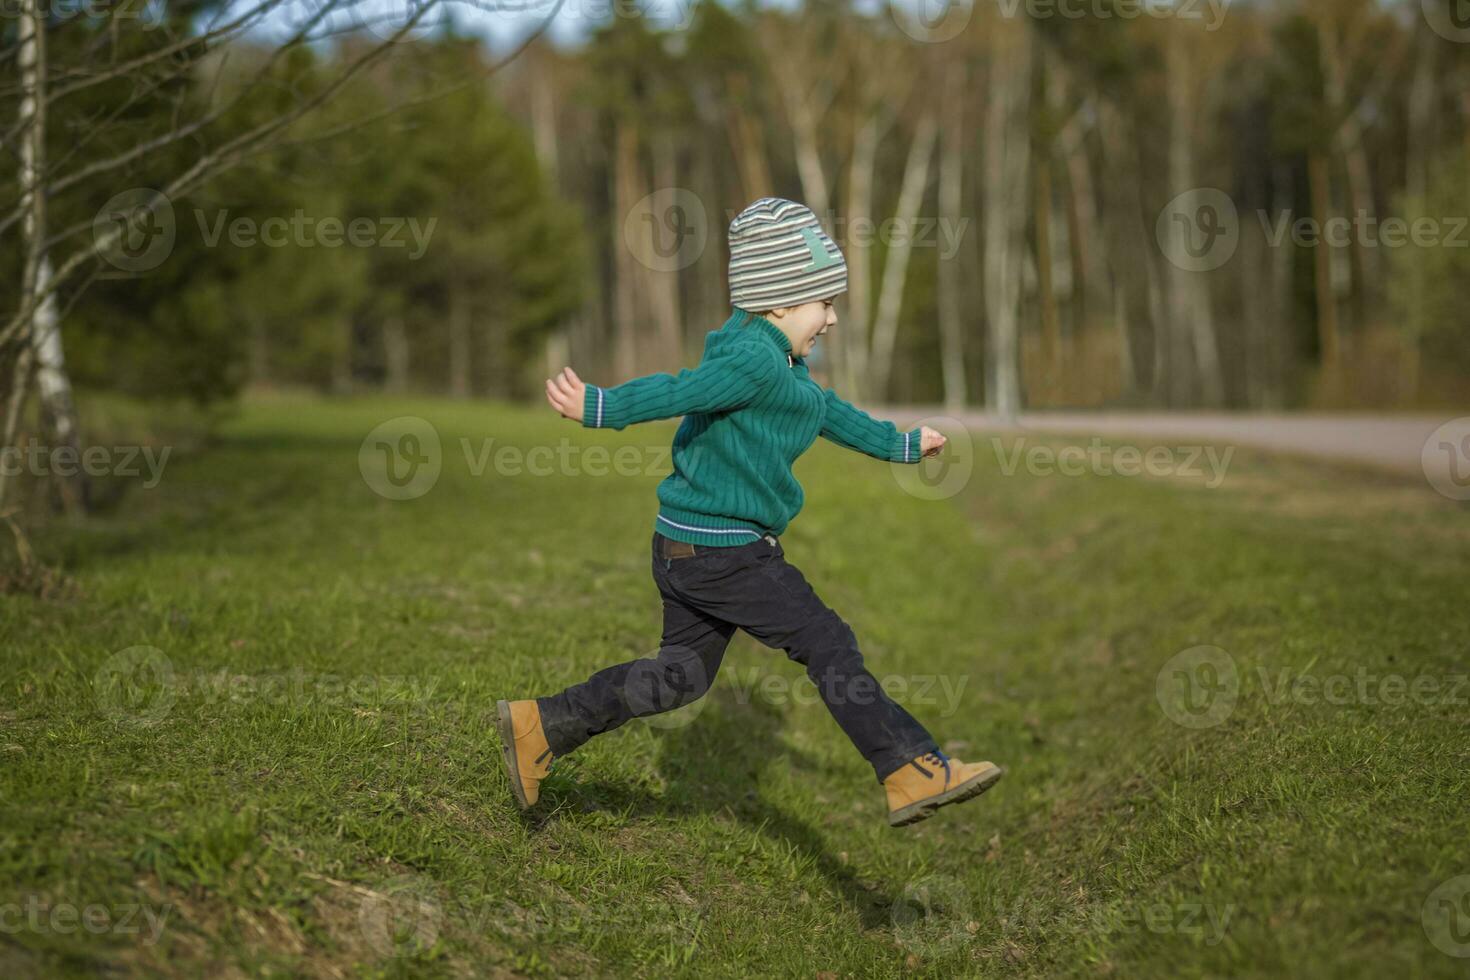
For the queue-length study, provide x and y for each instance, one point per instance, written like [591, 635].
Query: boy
[750, 409]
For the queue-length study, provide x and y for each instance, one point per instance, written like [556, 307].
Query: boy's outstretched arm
[851, 427]
[731, 379]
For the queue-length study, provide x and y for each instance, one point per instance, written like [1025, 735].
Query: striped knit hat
[780, 256]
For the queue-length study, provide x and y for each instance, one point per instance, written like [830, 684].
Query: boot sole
[508, 751]
[923, 809]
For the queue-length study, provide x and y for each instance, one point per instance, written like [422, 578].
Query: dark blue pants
[707, 596]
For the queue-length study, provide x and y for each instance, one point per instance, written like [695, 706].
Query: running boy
[750, 409]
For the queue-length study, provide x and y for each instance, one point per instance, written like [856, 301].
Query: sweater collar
[765, 327]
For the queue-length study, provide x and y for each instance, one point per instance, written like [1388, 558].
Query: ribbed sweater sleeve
[728, 379]
[851, 427]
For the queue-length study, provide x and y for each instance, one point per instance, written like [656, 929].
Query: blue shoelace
[940, 759]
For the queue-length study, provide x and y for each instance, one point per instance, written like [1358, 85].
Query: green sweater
[750, 409]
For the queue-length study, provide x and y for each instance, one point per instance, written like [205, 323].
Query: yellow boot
[922, 785]
[527, 754]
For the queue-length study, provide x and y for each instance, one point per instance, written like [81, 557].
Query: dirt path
[1395, 442]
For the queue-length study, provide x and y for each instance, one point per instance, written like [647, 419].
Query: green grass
[316, 787]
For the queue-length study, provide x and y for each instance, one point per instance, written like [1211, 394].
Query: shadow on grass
[714, 765]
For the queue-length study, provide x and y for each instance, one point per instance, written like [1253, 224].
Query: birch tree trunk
[805, 112]
[951, 203]
[896, 259]
[1191, 322]
[53, 386]
[1007, 152]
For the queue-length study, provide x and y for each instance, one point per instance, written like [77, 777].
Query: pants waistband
[669, 548]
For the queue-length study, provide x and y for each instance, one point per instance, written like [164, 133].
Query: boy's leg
[689, 656]
[771, 600]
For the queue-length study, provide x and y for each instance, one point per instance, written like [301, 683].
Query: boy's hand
[930, 441]
[566, 393]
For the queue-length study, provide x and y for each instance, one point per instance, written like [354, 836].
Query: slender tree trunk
[53, 386]
[1051, 330]
[1422, 99]
[1283, 353]
[663, 284]
[459, 338]
[1081, 224]
[896, 259]
[748, 137]
[859, 265]
[1052, 87]
[15, 402]
[626, 184]
[1129, 257]
[1254, 301]
[951, 206]
[395, 354]
[1007, 148]
[807, 143]
[1191, 323]
[1321, 259]
[260, 352]
[1365, 265]
[543, 126]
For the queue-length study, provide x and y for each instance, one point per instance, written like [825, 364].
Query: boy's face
[803, 324]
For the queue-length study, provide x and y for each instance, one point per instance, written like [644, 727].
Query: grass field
[259, 739]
